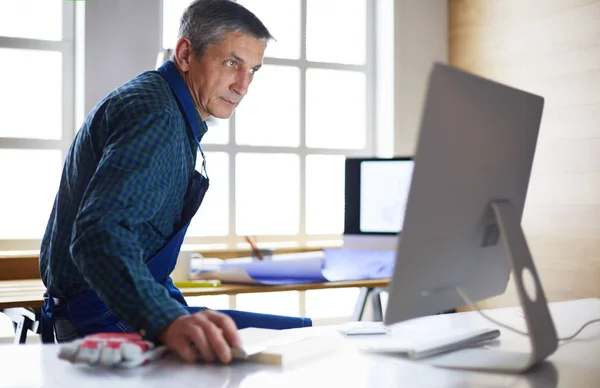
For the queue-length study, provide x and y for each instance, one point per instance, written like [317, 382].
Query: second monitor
[376, 191]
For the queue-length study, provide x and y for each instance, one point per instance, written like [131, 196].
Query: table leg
[363, 296]
[21, 332]
[376, 303]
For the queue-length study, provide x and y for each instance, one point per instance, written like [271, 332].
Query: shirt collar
[171, 74]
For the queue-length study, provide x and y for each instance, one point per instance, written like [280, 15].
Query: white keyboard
[431, 348]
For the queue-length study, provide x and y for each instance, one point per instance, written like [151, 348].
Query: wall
[551, 48]
[122, 39]
[421, 38]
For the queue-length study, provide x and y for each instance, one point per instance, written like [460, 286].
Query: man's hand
[207, 332]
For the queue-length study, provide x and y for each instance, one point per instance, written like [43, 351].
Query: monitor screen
[384, 189]
[376, 195]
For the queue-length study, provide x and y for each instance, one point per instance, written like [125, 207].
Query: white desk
[575, 364]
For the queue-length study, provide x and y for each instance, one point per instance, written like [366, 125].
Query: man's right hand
[213, 334]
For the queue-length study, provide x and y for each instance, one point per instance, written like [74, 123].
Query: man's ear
[183, 54]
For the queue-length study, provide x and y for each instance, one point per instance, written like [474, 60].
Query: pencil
[254, 248]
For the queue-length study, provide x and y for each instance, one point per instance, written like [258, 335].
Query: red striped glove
[124, 350]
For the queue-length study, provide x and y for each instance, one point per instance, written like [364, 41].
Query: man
[129, 189]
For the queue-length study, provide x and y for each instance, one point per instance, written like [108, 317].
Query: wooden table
[28, 294]
[574, 364]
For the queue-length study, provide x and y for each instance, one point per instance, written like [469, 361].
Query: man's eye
[230, 63]
[252, 71]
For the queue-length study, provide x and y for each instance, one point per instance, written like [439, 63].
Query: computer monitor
[462, 221]
[376, 190]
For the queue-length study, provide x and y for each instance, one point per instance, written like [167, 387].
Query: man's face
[219, 80]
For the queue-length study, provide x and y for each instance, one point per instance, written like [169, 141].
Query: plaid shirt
[120, 199]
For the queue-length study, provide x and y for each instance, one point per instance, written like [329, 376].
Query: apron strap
[47, 321]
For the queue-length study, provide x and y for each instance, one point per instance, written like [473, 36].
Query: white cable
[580, 330]
[473, 306]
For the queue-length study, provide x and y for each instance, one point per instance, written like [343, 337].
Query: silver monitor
[462, 222]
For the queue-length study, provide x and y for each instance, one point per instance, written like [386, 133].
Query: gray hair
[206, 22]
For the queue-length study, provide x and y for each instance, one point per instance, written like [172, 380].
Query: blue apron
[87, 312]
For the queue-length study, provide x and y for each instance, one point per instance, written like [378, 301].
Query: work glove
[123, 350]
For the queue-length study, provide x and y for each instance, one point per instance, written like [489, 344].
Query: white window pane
[31, 98]
[215, 302]
[33, 19]
[323, 304]
[212, 219]
[336, 31]
[282, 19]
[335, 109]
[267, 194]
[280, 303]
[270, 114]
[30, 180]
[324, 194]
[218, 131]
[172, 11]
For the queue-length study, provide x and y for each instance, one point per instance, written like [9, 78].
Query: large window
[276, 166]
[36, 114]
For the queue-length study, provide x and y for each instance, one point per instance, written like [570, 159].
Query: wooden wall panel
[551, 48]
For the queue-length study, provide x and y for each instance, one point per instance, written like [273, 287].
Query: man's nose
[242, 82]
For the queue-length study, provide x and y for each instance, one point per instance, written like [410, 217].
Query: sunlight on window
[31, 98]
[29, 188]
[325, 194]
[270, 114]
[218, 131]
[335, 109]
[214, 302]
[281, 303]
[32, 19]
[267, 194]
[297, 108]
[282, 19]
[212, 219]
[172, 11]
[336, 31]
[321, 304]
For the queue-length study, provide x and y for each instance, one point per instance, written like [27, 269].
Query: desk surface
[29, 293]
[574, 364]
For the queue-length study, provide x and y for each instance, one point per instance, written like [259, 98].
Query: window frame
[301, 239]
[71, 48]
[66, 46]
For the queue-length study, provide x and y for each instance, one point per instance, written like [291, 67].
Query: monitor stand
[542, 333]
